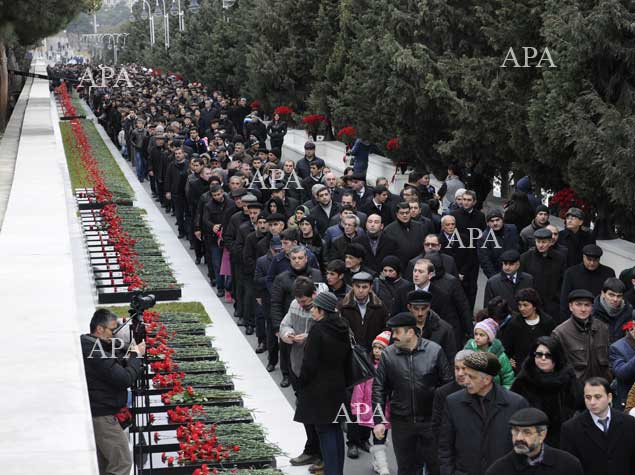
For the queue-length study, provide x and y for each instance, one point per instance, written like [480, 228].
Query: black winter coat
[385, 247]
[554, 462]
[555, 394]
[374, 322]
[158, 163]
[107, 378]
[500, 285]
[449, 265]
[409, 238]
[547, 272]
[612, 453]
[492, 244]
[322, 220]
[469, 445]
[408, 380]
[574, 242]
[579, 277]
[210, 212]
[518, 337]
[390, 293]
[438, 404]
[440, 332]
[322, 382]
[176, 177]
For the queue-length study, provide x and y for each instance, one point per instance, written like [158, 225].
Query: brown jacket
[374, 321]
[587, 350]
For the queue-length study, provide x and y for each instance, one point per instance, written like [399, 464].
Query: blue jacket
[622, 361]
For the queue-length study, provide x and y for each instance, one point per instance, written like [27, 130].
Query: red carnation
[392, 144]
[283, 111]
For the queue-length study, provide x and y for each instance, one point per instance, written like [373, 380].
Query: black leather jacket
[408, 380]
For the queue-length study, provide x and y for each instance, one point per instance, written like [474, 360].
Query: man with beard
[531, 454]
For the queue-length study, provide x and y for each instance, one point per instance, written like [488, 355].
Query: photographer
[108, 376]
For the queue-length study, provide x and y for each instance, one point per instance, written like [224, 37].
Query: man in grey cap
[409, 372]
[574, 237]
[585, 339]
[547, 267]
[531, 454]
[589, 275]
[474, 428]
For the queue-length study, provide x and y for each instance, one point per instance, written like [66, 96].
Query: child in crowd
[485, 340]
[362, 407]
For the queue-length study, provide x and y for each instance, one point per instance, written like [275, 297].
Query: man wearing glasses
[108, 377]
[432, 244]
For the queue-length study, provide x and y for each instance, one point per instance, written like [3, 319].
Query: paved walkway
[46, 424]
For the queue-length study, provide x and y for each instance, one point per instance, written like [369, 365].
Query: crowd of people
[537, 380]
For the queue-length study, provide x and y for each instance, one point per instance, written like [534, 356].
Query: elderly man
[574, 237]
[474, 429]
[509, 280]
[531, 454]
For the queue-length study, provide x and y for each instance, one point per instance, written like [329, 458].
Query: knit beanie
[391, 261]
[489, 326]
[382, 339]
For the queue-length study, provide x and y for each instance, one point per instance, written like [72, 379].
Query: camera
[141, 302]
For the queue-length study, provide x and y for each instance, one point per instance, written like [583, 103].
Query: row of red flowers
[197, 443]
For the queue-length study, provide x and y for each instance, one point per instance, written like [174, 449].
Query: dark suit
[386, 212]
[612, 453]
[500, 285]
[385, 247]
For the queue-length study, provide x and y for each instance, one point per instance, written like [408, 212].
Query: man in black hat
[589, 275]
[432, 327]
[531, 454]
[573, 237]
[498, 238]
[509, 280]
[409, 372]
[303, 166]
[585, 339]
[475, 424]
[362, 192]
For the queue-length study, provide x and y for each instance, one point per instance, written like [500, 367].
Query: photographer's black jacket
[107, 378]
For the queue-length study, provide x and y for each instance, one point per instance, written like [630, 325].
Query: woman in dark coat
[519, 211]
[309, 237]
[322, 388]
[276, 130]
[275, 205]
[548, 383]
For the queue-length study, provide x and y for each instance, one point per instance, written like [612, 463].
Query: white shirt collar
[596, 420]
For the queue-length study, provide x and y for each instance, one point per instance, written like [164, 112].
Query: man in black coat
[197, 185]
[325, 209]
[500, 237]
[508, 281]
[248, 270]
[379, 205]
[531, 454]
[547, 268]
[376, 243]
[302, 167]
[471, 223]
[603, 439]
[211, 212]
[588, 275]
[282, 295]
[573, 237]
[108, 377]
[408, 234]
[475, 425]
[175, 180]
[431, 326]
[612, 309]
[409, 371]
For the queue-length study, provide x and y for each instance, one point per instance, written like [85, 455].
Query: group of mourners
[538, 381]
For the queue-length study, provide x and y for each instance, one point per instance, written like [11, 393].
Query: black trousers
[178, 203]
[249, 300]
[415, 447]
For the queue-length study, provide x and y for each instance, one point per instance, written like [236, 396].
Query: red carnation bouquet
[312, 123]
[285, 112]
[255, 105]
[347, 135]
[565, 199]
[393, 146]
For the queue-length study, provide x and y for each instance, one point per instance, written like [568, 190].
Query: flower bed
[192, 425]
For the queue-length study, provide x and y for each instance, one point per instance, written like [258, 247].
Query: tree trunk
[4, 85]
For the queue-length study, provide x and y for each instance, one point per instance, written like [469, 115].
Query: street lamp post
[175, 10]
